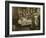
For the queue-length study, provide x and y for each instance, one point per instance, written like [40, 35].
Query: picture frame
[9, 22]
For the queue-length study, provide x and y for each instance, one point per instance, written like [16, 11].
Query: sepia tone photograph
[25, 18]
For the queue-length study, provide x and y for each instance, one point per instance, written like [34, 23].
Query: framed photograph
[24, 18]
